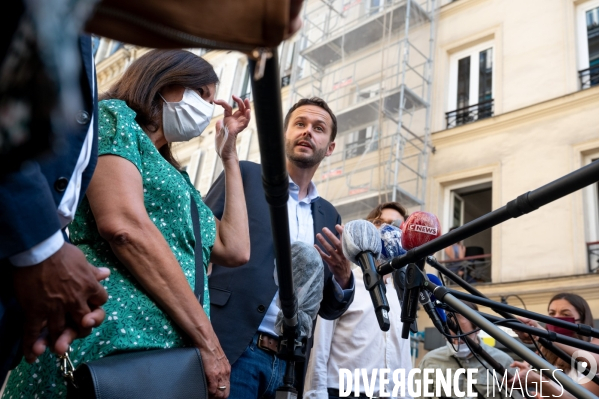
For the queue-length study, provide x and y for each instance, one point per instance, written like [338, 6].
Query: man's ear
[330, 148]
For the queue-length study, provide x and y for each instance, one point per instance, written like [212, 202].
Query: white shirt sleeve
[40, 252]
[406, 364]
[315, 386]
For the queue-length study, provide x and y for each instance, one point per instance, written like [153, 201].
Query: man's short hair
[316, 101]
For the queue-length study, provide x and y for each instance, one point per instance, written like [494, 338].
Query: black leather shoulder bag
[162, 373]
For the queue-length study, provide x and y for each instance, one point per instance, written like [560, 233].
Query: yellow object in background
[489, 341]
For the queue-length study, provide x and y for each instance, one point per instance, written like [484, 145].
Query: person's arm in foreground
[56, 287]
[116, 198]
[232, 243]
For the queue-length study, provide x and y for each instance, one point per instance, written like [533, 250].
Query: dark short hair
[376, 212]
[471, 305]
[316, 101]
[586, 317]
[579, 303]
[148, 75]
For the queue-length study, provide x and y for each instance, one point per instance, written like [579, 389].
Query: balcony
[593, 256]
[469, 114]
[285, 80]
[473, 269]
[589, 77]
[243, 97]
[352, 28]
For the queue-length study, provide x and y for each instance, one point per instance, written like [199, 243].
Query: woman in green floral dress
[136, 220]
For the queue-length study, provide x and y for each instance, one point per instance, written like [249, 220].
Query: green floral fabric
[133, 320]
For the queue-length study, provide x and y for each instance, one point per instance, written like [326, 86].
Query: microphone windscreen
[360, 236]
[390, 242]
[418, 229]
[437, 281]
[308, 280]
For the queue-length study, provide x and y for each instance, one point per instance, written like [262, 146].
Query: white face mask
[463, 351]
[186, 119]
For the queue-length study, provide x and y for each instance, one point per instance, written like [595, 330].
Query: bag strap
[199, 287]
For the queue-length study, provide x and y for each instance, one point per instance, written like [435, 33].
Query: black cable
[504, 298]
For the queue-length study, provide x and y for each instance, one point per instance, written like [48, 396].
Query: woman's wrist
[230, 159]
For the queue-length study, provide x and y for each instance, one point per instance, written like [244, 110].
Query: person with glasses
[353, 341]
[392, 213]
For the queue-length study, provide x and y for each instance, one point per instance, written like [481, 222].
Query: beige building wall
[544, 126]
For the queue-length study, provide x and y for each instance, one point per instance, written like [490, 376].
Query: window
[368, 91]
[464, 203]
[457, 209]
[360, 142]
[591, 199]
[588, 43]
[470, 85]
[104, 48]
[95, 44]
[286, 57]
[243, 83]
[375, 6]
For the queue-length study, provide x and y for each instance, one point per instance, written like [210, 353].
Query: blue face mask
[186, 119]
[391, 242]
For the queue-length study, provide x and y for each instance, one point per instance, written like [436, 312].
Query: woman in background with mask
[136, 220]
[575, 309]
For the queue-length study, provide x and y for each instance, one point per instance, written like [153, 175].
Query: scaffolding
[371, 60]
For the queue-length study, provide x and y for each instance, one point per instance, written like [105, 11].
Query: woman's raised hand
[231, 125]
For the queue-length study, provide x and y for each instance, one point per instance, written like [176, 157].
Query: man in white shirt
[354, 341]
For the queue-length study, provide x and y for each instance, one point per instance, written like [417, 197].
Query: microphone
[437, 281]
[436, 314]
[390, 242]
[391, 248]
[419, 228]
[361, 244]
[308, 280]
[399, 282]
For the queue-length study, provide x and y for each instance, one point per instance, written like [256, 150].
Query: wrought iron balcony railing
[469, 114]
[473, 269]
[589, 77]
[285, 80]
[593, 256]
[243, 97]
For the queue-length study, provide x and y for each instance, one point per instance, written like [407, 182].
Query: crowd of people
[99, 253]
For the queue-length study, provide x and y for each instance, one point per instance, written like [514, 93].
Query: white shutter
[244, 146]
[204, 180]
[193, 169]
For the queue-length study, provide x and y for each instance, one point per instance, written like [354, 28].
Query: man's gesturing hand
[333, 257]
[61, 293]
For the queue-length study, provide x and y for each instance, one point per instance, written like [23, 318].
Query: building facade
[454, 108]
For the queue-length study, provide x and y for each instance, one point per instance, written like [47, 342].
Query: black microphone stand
[444, 295]
[266, 89]
[581, 329]
[542, 340]
[525, 203]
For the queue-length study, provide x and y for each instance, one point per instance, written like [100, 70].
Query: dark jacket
[30, 198]
[240, 296]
